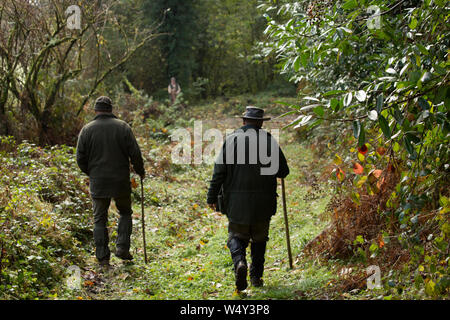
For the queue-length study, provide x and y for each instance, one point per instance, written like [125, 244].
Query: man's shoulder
[248, 131]
[110, 121]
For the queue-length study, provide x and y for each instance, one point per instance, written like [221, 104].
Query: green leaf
[373, 247]
[287, 113]
[304, 57]
[384, 125]
[297, 64]
[362, 137]
[348, 99]
[396, 147]
[346, 29]
[294, 106]
[426, 77]
[337, 160]
[361, 157]
[332, 93]
[315, 123]
[356, 128]
[418, 281]
[303, 121]
[398, 115]
[350, 4]
[358, 240]
[430, 287]
[334, 104]
[409, 147]
[422, 49]
[361, 181]
[319, 111]
[413, 23]
[379, 103]
[356, 199]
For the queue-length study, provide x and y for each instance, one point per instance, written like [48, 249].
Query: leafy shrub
[44, 218]
[378, 96]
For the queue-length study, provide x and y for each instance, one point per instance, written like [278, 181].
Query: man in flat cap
[243, 187]
[105, 148]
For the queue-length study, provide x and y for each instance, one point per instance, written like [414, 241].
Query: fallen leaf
[88, 283]
[374, 175]
[381, 151]
[337, 160]
[357, 168]
[340, 174]
[377, 173]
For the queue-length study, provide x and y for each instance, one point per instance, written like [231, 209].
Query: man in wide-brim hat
[243, 187]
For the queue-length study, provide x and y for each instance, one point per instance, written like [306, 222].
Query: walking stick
[143, 221]
[286, 223]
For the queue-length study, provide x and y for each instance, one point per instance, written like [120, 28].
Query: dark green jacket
[249, 196]
[104, 150]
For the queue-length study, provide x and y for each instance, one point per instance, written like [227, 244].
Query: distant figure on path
[174, 90]
[104, 150]
[244, 190]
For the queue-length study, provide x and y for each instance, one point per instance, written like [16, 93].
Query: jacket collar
[249, 126]
[104, 116]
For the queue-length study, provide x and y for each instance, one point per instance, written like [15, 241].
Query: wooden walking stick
[286, 223]
[143, 221]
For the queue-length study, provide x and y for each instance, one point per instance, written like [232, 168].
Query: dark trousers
[239, 237]
[101, 239]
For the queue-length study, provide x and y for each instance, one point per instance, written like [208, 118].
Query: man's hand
[213, 206]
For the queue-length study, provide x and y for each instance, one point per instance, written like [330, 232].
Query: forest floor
[46, 222]
[186, 241]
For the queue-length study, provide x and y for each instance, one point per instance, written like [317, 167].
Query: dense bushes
[44, 218]
[374, 89]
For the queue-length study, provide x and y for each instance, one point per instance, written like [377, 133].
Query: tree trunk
[4, 127]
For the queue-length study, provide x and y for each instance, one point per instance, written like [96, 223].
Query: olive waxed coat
[105, 148]
[249, 196]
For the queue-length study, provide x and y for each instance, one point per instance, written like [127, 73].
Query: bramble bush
[44, 218]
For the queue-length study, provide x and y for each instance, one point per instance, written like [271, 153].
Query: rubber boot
[237, 249]
[258, 250]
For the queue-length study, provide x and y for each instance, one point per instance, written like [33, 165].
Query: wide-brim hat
[254, 113]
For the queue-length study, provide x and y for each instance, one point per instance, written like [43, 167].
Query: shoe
[124, 255]
[256, 282]
[241, 276]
